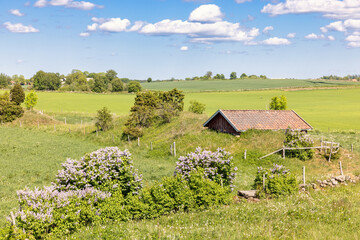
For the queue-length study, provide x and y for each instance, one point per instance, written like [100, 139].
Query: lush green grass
[330, 214]
[32, 158]
[241, 84]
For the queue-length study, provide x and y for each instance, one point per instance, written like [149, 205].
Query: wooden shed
[237, 121]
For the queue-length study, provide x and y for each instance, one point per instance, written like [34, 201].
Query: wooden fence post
[352, 147]
[128, 138]
[341, 170]
[283, 152]
[138, 142]
[171, 149]
[65, 121]
[151, 147]
[174, 149]
[245, 154]
[264, 181]
[304, 175]
[331, 149]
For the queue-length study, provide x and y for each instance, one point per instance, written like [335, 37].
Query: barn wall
[220, 124]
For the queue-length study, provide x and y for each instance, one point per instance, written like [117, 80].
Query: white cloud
[136, 26]
[242, 1]
[276, 41]
[82, 5]
[84, 34]
[114, 25]
[20, 28]
[330, 8]
[92, 27]
[184, 48]
[267, 29]
[291, 35]
[320, 36]
[16, 12]
[206, 13]
[353, 40]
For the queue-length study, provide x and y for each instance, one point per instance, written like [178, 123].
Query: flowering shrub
[217, 165]
[295, 139]
[57, 212]
[278, 181]
[105, 169]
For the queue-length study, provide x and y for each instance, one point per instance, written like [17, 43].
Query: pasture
[242, 84]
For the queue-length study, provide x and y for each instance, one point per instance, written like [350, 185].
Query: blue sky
[181, 38]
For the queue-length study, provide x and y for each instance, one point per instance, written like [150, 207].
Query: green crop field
[241, 84]
[334, 109]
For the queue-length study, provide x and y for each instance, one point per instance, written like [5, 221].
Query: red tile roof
[242, 120]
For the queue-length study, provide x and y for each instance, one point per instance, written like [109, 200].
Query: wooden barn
[237, 121]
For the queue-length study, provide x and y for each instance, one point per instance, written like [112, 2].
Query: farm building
[237, 121]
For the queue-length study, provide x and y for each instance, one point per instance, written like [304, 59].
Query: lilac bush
[106, 169]
[217, 165]
[296, 139]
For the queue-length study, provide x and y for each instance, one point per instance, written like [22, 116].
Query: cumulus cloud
[267, 29]
[353, 40]
[319, 36]
[82, 5]
[291, 35]
[16, 12]
[20, 28]
[184, 48]
[329, 8]
[84, 34]
[275, 41]
[206, 13]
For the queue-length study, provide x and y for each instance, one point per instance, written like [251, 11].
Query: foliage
[9, 111]
[103, 119]
[111, 75]
[99, 85]
[46, 81]
[5, 97]
[31, 100]
[217, 166]
[151, 108]
[149, 79]
[4, 80]
[243, 76]
[197, 107]
[278, 103]
[298, 139]
[134, 87]
[219, 76]
[17, 94]
[117, 85]
[278, 181]
[106, 169]
[233, 75]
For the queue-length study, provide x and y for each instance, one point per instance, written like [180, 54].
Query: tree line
[347, 77]
[219, 76]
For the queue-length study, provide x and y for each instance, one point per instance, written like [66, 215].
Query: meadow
[242, 84]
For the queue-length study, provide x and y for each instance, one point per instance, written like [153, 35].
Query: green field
[324, 109]
[241, 84]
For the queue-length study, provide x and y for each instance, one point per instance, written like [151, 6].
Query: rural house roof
[242, 120]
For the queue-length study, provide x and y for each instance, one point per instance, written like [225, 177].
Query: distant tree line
[348, 77]
[209, 75]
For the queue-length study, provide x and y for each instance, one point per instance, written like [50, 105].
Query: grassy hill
[242, 84]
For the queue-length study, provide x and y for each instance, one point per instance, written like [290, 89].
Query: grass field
[241, 84]
[334, 109]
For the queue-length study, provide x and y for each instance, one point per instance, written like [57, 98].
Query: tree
[208, 74]
[17, 94]
[103, 119]
[9, 111]
[110, 75]
[243, 76]
[99, 84]
[149, 79]
[31, 100]
[197, 107]
[46, 81]
[233, 75]
[278, 103]
[117, 85]
[134, 87]
[4, 80]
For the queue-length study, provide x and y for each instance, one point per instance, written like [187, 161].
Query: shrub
[107, 169]
[103, 119]
[9, 111]
[278, 181]
[31, 100]
[117, 85]
[297, 139]
[17, 94]
[217, 165]
[278, 103]
[134, 87]
[197, 107]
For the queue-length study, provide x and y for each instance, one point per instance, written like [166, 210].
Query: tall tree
[17, 94]
[233, 75]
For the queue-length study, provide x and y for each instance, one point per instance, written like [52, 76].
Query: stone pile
[332, 182]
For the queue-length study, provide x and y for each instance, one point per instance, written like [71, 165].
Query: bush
[107, 169]
[278, 103]
[134, 87]
[217, 165]
[9, 111]
[117, 85]
[31, 100]
[297, 139]
[197, 107]
[103, 119]
[278, 181]
[17, 94]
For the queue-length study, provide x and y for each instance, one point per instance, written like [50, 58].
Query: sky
[166, 39]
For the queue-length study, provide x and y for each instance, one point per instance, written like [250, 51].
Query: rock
[340, 178]
[347, 178]
[256, 200]
[319, 181]
[334, 182]
[314, 185]
[302, 185]
[247, 194]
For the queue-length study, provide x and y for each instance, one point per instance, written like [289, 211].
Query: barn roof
[242, 120]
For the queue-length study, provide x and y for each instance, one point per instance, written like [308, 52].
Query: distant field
[241, 84]
[337, 109]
